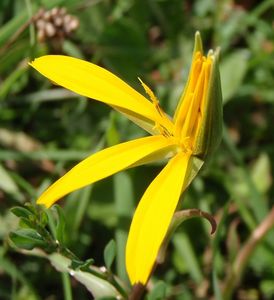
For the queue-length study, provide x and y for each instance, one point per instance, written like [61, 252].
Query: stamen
[162, 130]
[159, 127]
[152, 97]
[185, 144]
[149, 92]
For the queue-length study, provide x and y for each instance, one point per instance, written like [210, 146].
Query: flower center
[192, 105]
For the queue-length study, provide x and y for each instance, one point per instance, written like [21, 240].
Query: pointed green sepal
[198, 44]
[210, 133]
[178, 218]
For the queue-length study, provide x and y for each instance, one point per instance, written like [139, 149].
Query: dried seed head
[54, 23]
[58, 21]
[54, 12]
[50, 29]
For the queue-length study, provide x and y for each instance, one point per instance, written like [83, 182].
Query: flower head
[187, 140]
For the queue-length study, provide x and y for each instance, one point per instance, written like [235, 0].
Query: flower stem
[137, 292]
[238, 267]
[66, 286]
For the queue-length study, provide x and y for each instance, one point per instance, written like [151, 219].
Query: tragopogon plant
[186, 141]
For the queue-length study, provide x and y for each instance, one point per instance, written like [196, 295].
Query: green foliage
[43, 232]
[109, 253]
[45, 130]
[34, 229]
[158, 292]
[27, 239]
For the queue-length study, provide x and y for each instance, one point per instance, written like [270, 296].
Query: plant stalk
[137, 292]
[238, 267]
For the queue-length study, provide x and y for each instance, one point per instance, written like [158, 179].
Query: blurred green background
[44, 130]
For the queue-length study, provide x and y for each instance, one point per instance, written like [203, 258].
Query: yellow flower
[187, 141]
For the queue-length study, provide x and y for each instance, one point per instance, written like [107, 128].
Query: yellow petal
[92, 81]
[198, 48]
[152, 218]
[103, 164]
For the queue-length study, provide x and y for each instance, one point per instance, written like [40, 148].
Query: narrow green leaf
[233, 69]
[216, 286]
[75, 210]
[186, 252]
[21, 212]
[27, 239]
[60, 155]
[8, 84]
[9, 28]
[124, 206]
[61, 224]
[109, 253]
[261, 173]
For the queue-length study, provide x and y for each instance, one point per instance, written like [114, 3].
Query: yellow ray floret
[152, 218]
[95, 82]
[103, 164]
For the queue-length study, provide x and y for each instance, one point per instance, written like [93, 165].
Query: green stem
[66, 286]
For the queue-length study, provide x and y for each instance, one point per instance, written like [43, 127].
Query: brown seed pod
[54, 23]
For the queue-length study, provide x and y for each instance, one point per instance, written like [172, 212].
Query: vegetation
[45, 130]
